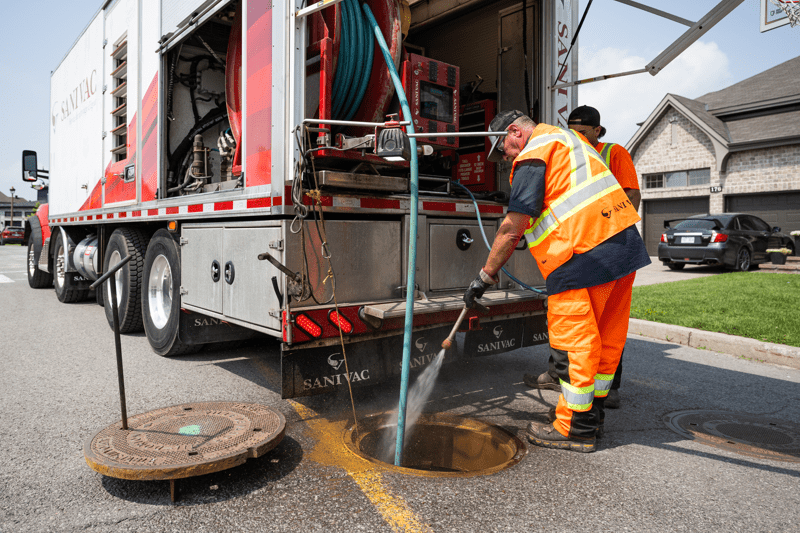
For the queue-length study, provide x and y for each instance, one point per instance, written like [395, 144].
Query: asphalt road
[58, 388]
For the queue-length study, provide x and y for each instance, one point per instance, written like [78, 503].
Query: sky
[615, 38]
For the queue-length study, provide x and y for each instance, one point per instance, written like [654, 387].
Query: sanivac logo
[336, 360]
[75, 101]
[499, 344]
[615, 208]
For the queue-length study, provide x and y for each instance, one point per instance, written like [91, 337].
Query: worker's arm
[634, 196]
[505, 241]
[526, 202]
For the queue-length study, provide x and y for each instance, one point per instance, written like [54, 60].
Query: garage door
[777, 209]
[657, 211]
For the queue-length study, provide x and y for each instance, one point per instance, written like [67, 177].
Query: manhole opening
[438, 445]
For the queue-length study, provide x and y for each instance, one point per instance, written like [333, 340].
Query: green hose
[353, 70]
[412, 244]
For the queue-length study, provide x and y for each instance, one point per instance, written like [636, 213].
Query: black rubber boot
[543, 381]
[546, 436]
[551, 417]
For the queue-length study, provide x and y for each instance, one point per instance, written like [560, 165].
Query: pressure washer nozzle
[447, 344]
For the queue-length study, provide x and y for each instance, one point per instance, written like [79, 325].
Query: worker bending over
[586, 120]
[580, 229]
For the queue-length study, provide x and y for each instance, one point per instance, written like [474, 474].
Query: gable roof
[761, 111]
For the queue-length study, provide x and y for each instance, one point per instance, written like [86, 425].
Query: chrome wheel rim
[60, 274]
[159, 292]
[112, 262]
[744, 259]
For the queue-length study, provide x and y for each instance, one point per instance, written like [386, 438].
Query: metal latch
[184, 291]
[182, 241]
[275, 313]
[277, 245]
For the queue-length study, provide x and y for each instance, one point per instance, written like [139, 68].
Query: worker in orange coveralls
[586, 120]
[580, 228]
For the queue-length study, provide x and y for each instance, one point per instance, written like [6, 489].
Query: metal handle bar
[110, 272]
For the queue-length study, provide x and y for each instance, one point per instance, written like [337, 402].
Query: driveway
[656, 272]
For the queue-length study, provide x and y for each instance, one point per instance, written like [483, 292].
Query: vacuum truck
[249, 156]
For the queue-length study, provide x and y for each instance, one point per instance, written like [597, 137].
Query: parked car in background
[12, 235]
[736, 240]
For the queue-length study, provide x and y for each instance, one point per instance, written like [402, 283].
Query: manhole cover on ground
[185, 440]
[438, 445]
[752, 435]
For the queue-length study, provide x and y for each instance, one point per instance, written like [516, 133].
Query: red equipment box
[472, 169]
[432, 89]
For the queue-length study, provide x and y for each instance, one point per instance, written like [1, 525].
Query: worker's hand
[478, 287]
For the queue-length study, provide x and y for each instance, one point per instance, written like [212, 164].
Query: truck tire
[125, 242]
[161, 300]
[37, 279]
[67, 290]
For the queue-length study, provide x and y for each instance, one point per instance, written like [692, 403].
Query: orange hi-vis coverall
[583, 206]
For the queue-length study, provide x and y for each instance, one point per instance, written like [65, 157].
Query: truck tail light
[663, 237]
[340, 321]
[718, 237]
[308, 325]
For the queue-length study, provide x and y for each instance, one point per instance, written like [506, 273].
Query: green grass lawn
[760, 306]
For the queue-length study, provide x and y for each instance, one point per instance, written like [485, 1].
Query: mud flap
[310, 371]
[196, 328]
[504, 335]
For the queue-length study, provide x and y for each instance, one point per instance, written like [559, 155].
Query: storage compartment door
[202, 248]
[249, 294]
[454, 261]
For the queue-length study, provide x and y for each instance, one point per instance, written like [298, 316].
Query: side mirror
[29, 166]
[776, 229]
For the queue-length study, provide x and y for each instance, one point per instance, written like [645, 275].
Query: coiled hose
[354, 67]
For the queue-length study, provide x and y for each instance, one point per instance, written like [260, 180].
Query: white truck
[201, 137]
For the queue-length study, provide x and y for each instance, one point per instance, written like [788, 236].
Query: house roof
[763, 110]
[18, 202]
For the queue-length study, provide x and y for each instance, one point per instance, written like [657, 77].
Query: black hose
[212, 118]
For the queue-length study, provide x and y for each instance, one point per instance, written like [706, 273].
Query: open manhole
[437, 445]
[751, 435]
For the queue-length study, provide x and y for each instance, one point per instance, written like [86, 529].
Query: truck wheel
[37, 279]
[67, 290]
[125, 242]
[161, 300]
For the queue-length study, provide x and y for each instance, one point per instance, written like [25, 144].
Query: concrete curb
[766, 352]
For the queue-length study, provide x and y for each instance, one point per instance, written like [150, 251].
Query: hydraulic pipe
[412, 238]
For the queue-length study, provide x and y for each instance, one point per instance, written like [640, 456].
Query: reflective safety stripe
[605, 153]
[602, 384]
[577, 398]
[568, 204]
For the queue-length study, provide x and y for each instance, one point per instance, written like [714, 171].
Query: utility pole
[11, 224]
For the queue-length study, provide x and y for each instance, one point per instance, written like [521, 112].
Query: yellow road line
[330, 450]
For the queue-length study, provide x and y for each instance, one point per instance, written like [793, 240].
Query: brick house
[733, 150]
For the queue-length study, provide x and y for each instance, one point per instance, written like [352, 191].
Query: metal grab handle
[110, 272]
[277, 264]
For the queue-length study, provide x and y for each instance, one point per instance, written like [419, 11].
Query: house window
[682, 178]
[119, 100]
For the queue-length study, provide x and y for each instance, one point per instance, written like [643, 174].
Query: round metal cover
[751, 435]
[185, 440]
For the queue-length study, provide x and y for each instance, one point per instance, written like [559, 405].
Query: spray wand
[448, 342]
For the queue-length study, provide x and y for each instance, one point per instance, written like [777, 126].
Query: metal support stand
[115, 313]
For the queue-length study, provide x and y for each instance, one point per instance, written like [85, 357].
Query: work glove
[478, 287]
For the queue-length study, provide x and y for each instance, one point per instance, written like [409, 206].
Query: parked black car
[736, 240]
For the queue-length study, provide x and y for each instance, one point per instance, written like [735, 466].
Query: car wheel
[676, 266]
[2, 242]
[67, 289]
[37, 279]
[128, 279]
[743, 263]
[161, 300]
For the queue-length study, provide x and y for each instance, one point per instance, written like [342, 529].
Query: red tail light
[663, 237]
[308, 325]
[719, 237]
[340, 321]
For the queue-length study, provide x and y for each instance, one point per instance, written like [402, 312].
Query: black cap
[501, 122]
[586, 116]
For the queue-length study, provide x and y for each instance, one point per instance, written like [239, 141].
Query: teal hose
[412, 238]
[365, 72]
[354, 67]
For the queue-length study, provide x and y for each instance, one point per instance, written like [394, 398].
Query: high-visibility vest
[605, 153]
[583, 202]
